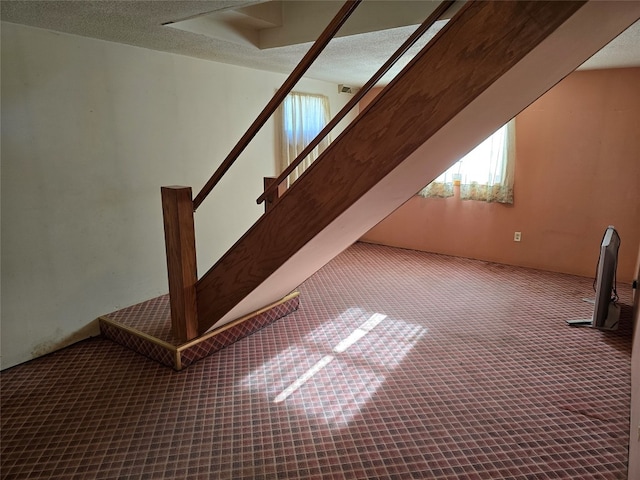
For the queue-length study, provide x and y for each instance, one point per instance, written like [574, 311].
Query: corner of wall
[634, 431]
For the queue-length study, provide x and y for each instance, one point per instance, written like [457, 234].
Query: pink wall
[577, 171]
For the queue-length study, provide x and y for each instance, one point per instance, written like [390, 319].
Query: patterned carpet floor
[397, 365]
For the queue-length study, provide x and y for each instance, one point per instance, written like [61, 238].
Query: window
[485, 173]
[303, 117]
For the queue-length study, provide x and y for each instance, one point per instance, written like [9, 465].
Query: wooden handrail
[413, 38]
[313, 53]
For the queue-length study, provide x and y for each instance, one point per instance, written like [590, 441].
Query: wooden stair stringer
[298, 236]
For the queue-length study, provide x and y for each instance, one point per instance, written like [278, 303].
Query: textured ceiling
[349, 60]
[622, 52]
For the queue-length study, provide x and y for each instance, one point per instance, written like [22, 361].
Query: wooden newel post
[270, 200]
[180, 242]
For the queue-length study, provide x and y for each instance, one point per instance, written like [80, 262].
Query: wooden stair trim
[238, 321]
[175, 356]
[138, 333]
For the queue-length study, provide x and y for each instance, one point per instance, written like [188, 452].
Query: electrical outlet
[517, 236]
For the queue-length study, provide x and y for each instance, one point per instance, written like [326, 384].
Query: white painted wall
[90, 131]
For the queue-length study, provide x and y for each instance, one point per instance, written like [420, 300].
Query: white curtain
[303, 116]
[486, 173]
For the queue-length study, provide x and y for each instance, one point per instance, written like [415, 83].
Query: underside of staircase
[489, 63]
[486, 65]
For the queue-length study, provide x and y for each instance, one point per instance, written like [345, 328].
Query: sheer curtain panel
[486, 173]
[303, 116]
